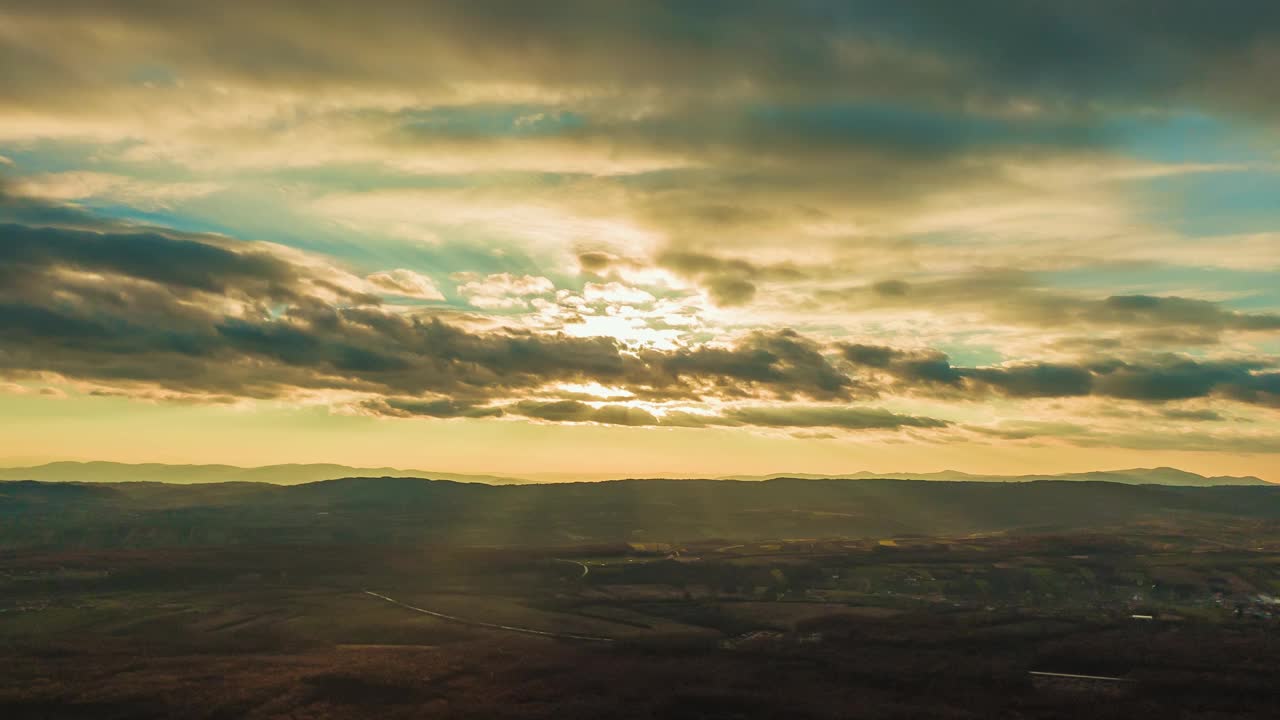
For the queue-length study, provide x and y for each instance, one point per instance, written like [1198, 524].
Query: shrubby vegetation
[248, 601]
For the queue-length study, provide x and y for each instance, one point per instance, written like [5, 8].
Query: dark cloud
[1033, 380]
[574, 411]
[887, 139]
[206, 317]
[1202, 415]
[803, 416]
[925, 51]
[849, 418]
[37, 260]
[153, 257]
[731, 291]
[440, 408]
[1177, 378]
[911, 366]
[782, 361]
[1173, 311]
[892, 288]
[692, 264]
[854, 108]
[212, 316]
[1158, 379]
[594, 261]
[1014, 297]
[729, 281]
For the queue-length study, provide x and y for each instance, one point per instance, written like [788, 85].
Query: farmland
[780, 628]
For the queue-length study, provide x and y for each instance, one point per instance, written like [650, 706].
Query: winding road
[492, 626]
[585, 570]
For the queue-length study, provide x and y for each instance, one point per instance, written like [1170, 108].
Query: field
[796, 628]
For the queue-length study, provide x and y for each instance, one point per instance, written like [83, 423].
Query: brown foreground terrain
[895, 627]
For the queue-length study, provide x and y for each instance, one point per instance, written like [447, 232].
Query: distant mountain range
[192, 474]
[1134, 476]
[304, 473]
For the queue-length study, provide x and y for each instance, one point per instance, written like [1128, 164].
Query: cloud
[923, 51]
[1158, 379]
[575, 411]
[1177, 378]
[846, 418]
[1172, 311]
[782, 361]
[594, 262]
[439, 408]
[171, 263]
[839, 118]
[727, 195]
[839, 129]
[731, 291]
[502, 290]
[730, 282]
[211, 316]
[1151, 439]
[9, 388]
[1009, 296]
[406, 283]
[616, 293]
[1202, 415]
[84, 185]
[1033, 380]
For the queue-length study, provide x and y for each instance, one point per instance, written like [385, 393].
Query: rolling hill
[407, 511]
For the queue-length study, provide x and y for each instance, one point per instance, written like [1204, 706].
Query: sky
[644, 238]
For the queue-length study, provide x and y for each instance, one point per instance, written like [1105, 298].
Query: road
[585, 570]
[492, 626]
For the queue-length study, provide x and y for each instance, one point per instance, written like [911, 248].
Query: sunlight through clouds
[861, 224]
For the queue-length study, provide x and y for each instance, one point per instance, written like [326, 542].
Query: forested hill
[409, 510]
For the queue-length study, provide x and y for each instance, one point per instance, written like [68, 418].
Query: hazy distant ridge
[1133, 476]
[296, 474]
